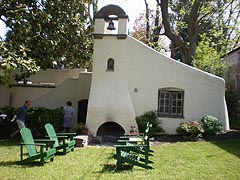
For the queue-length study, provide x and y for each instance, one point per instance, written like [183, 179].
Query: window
[170, 102]
[110, 65]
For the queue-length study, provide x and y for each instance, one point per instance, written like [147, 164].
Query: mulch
[164, 138]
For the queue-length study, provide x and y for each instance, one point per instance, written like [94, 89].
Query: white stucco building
[128, 79]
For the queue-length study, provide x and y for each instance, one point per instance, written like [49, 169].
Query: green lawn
[186, 161]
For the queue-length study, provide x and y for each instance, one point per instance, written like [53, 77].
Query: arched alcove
[110, 65]
[110, 129]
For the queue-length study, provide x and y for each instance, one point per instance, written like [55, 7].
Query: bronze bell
[111, 25]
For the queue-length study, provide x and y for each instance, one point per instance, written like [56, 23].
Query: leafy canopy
[43, 31]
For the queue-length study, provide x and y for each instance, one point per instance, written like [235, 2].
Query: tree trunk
[193, 30]
[147, 22]
[157, 29]
[188, 53]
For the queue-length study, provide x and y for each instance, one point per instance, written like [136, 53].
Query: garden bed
[164, 138]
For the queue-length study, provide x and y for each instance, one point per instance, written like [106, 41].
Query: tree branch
[147, 21]
[175, 38]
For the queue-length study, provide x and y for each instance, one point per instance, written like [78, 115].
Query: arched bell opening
[111, 20]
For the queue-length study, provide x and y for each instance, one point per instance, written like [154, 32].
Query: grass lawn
[219, 160]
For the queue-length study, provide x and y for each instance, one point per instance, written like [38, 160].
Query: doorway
[82, 111]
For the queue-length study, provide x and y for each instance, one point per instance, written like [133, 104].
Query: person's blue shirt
[22, 113]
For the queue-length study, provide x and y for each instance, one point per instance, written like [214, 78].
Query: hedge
[37, 117]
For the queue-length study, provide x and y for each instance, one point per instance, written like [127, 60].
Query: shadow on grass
[8, 163]
[231, 146]
[23, 165]
[110, 168]
[9, 142]
[60, 153]
[84, 174]
[32, 164]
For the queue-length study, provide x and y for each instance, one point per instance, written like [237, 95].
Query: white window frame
[171, 102]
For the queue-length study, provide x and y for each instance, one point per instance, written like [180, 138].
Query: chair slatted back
[28, 140]
[52, 134]
[147, 130]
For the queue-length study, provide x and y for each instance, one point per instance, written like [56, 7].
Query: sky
[2, 29]
[132, 8]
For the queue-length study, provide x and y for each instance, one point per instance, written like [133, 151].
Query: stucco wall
[109, 99]
[71, 89]
[55, 76]
[232, 59]
[147, 70]
[70, 84]
[19, 94]
[4, 95]
[232, 72]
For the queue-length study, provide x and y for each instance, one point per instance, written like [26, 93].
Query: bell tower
[110, 108]
[111, 20]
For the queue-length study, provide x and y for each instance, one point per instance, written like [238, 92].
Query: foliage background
[36, 119]
[43, 31]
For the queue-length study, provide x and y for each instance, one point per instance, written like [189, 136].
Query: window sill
[169, 116]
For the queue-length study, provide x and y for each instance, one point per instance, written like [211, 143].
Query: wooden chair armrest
[128, 137]
[67, 134]
[130, 141]
[48, 142]
[34, 144]
[57, 136]
[44, 140]
[129, 145]
[132, 135]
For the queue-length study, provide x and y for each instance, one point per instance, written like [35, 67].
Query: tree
[187, 20]
[10, 60]
[147, 21]
[49, 30]
[207, 57]
[147, 28]
[225, 30]
[188, 52]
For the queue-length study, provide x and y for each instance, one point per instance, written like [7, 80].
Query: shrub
[6, 126]
[211, 125]
[150, 116]
[190, 130]
[37, 117]
[81, 128]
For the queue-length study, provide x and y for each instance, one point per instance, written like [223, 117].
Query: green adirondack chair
[134, 150]
[139, 135]
[63, 141]
[134, 154]
[142, 139]
[45, 153]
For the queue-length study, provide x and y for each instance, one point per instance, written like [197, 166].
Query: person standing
[20, 117]
[68, 115]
